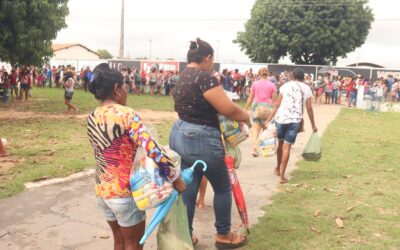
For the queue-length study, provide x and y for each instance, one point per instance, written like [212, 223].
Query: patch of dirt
[7, 164]
[151, 115]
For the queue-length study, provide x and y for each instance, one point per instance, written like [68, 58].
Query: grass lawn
[356, 183]
[52, 101]
[50, 148]
[56, 147]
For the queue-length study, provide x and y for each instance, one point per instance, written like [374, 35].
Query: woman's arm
[274, 110]
[142, 138]
[220, 101]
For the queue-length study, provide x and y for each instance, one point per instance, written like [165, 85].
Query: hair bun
[193, 45]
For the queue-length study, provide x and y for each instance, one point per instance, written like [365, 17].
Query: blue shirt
[390, 82]
[228, 85]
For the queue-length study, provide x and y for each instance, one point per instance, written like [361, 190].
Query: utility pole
[121, 39]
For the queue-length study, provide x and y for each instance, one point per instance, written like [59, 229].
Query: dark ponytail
[103, 81]
[198, 50]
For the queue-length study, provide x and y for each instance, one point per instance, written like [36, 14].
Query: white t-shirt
[291, 110]
[71, 83]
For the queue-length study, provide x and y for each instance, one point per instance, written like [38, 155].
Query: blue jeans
[199, 142]
[353, 98]
[335, 95]
[5, 95]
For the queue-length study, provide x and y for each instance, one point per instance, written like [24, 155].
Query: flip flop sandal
[231, 245]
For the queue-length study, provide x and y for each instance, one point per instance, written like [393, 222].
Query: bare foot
[283, 180]
[195, 240]
[201, 205]
[254, 153]
[277, 171]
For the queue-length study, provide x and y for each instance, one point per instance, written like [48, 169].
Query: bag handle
[302, 99]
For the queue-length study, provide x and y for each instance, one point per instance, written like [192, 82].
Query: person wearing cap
[288, 112]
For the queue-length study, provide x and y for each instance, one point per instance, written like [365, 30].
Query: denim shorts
[24, 86]
[287, 132]
[122, 210]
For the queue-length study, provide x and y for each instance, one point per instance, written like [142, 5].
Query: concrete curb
[79, 175]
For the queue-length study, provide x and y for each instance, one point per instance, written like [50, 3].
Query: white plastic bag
[267, 141]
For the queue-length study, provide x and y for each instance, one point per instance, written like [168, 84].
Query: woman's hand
[315, 129]
[179, 185]
[248, 123]
[266, 125]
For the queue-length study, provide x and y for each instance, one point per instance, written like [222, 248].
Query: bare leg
[202, 193]
[132, 236]
[118, 237]
[279, 158]
[26, 94]
[285, 158]
[256, 132]
[69, 105]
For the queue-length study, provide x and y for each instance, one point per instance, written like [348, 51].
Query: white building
[76, 55]
[73, 51]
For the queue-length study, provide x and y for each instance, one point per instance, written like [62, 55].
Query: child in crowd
[6, 86]
[40, 79]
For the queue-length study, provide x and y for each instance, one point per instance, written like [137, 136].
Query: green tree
[104, 54]
[28, 27]
[309, 31]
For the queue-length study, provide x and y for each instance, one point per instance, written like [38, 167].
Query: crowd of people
[19, 82]
[326, 89]
[329, 89]
[333, 88]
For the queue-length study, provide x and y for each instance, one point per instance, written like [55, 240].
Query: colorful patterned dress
[116, 132]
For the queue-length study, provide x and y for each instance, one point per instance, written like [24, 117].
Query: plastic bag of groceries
[234, 132]
[313, 148]
[148, 187]
[267, 141]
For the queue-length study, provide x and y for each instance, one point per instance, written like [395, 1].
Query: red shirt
[6, 84]
[353, 87]
[13, 79]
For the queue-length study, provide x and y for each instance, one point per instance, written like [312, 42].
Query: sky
[170, 25]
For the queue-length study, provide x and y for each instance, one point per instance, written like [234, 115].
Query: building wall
[75, 53]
